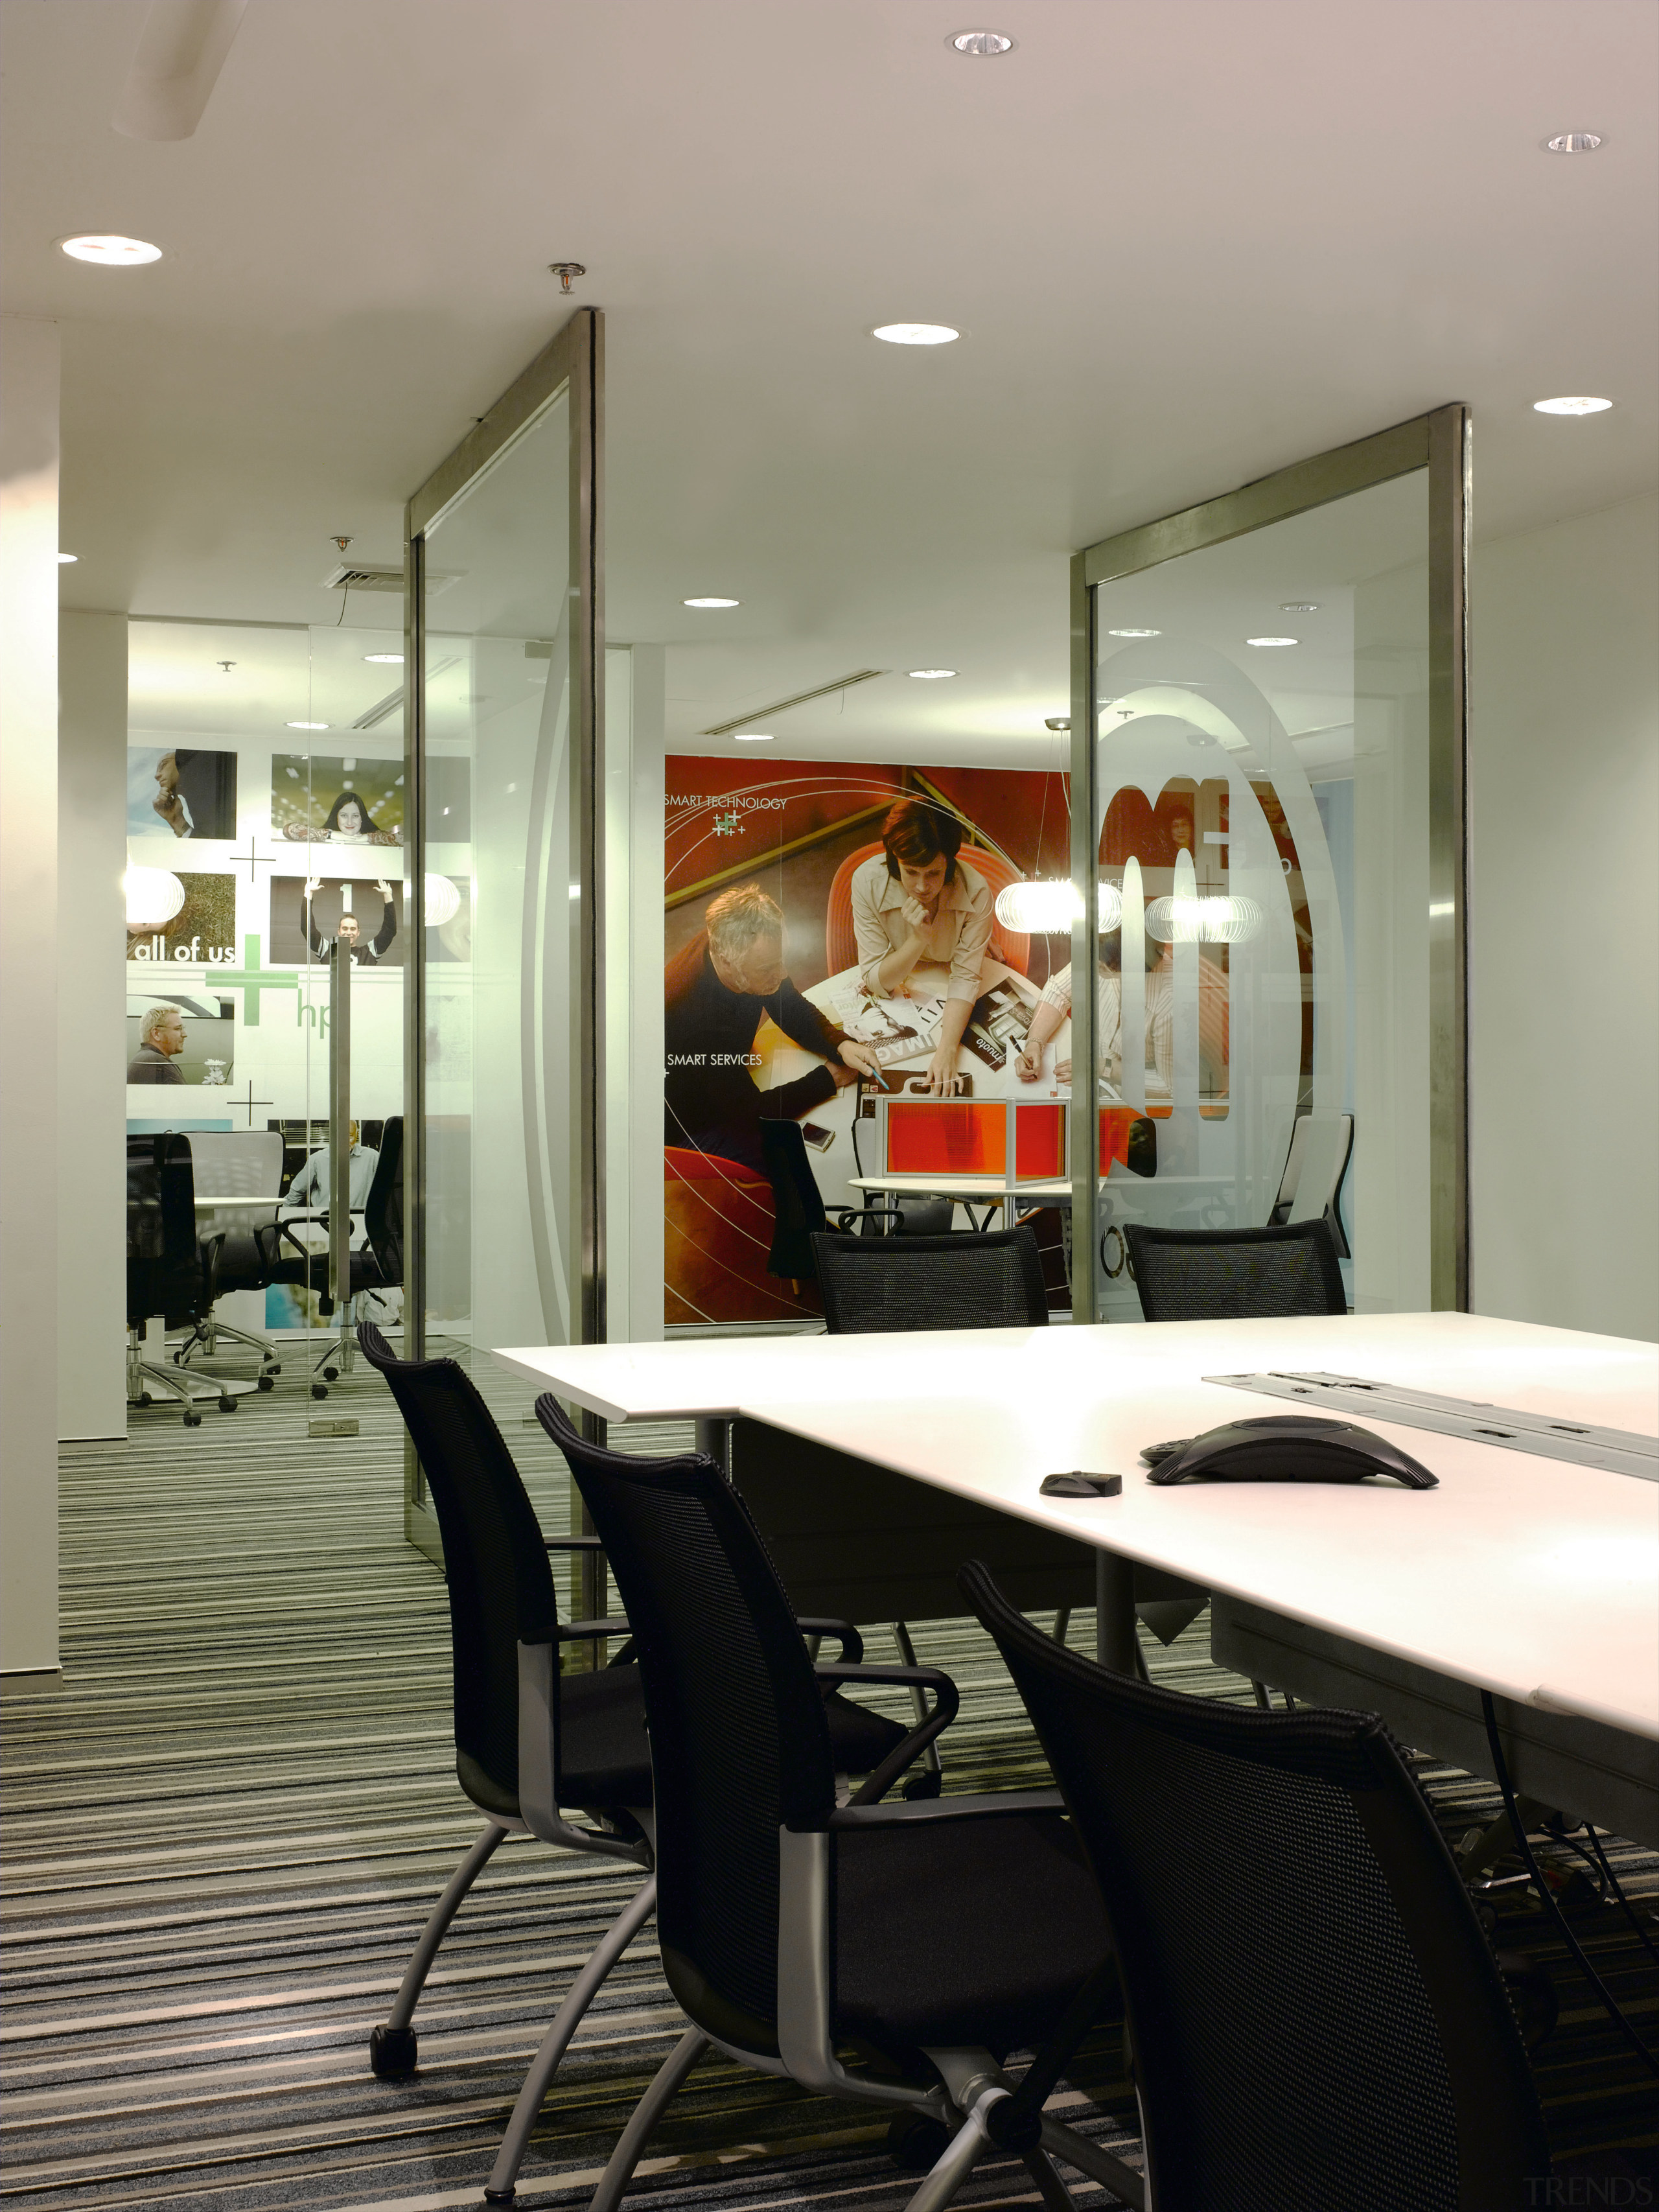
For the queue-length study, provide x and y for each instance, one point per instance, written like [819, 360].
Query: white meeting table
[1534, 1578]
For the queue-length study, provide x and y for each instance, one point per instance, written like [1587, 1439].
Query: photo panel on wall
[181, 792]
[341, 799]
[831, 926]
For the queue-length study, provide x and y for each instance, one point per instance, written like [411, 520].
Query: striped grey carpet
[226, 1827]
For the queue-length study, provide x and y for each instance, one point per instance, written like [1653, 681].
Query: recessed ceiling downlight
[984, 44]
[1570, 406]
[1573, 141]
[916, 333]
[386, 659]
[1273, 641]
[711, 602]
[754, 737]
[63, 559]
[112, 252]
[307, 725]
[1134, 633]
[1298, 606]
[930, 674]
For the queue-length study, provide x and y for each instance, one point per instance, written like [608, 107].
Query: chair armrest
[579, 1631]
[852, 1643]
[539, 1797]
[947, 1703]
[573, 1543]
[903, 1811]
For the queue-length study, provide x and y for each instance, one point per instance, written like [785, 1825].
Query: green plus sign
[253, 978]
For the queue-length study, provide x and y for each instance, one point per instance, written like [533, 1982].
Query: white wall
[92, 806]
[1564, 1011]
[29, 959]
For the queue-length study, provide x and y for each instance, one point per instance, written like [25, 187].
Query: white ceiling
[1187, 241]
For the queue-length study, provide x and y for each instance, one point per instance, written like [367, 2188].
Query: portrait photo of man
[720, 986]
[161, 1041]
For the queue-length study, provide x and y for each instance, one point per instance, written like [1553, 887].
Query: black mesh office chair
[936, 1936]
[531, 1740]
[874, 1286]
[1317, 2020]
[1236, 1274]
[289, 1259]
[878, 1284]
[168, 1277]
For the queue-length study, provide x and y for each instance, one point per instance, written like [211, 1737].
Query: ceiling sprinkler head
[343, 543]
[566, 272]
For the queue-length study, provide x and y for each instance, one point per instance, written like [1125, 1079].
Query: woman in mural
[914, 901]
[347, 822]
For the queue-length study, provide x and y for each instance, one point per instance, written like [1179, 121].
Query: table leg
[714, 1438]
[1114, 1612]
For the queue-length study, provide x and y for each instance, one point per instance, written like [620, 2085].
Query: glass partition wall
[265, 831]
[1268, 829]
[503, 675]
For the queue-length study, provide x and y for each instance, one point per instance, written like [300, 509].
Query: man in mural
[366, 951]
[914, 901]
[719, 989]
[161, 1041]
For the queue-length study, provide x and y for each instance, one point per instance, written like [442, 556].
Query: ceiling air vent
[359, 576]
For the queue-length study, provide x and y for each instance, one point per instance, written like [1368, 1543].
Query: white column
[29, 960]
[92, 843]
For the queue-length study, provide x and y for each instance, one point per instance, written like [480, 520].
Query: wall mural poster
[799, 960]
[181, 1035]
[174, 790]
[343, 799]
[307, 913]
[200, 930]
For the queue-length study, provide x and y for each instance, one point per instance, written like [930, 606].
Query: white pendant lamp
[154, 896]
[1211, 921]
[1049, 908]
[443, 902]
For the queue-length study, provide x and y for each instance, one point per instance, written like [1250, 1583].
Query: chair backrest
[1236, 1274]
[899, 1214]
[1316, 2017]
[1011, 946]
[501, 1587]
[740, 1745]
[382, 1208]
[165, 1273]
[876, 1285]
[237, 1163]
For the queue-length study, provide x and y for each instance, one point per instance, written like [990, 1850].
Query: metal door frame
[574, 359]
[1439, 441]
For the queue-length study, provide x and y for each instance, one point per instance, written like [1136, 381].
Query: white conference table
[1534, 1579]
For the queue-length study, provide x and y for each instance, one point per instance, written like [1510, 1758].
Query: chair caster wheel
[228, 1405]
[392, 2052]
[193, 1421]
[917, 2141]
[268, 1382]
[331, 1374]
[925, 1784]
[145, 1398]
[319, 1389]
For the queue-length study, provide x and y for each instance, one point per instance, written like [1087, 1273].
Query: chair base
[393, 2053]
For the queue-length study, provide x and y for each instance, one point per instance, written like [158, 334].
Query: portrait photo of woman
[347, 822]
[336, 800]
